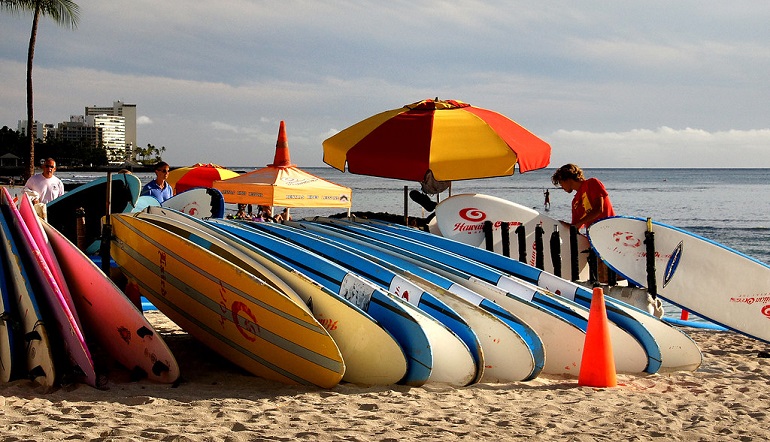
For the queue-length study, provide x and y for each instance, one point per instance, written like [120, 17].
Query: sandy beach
[725, 399]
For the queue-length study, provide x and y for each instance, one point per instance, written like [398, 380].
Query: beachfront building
[76, 131]
[112, 134]
[39, 130]
[119, 109]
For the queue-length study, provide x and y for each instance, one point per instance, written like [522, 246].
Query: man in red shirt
[591, 202]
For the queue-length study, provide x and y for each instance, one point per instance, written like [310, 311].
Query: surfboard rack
[649, 242]
[555, 244]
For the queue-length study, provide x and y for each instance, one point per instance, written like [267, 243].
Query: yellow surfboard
[230, 310]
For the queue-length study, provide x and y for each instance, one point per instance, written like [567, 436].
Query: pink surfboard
[71, 333]
[110, 317]
[35, 226]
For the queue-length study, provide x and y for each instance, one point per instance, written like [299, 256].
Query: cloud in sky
[631, 84]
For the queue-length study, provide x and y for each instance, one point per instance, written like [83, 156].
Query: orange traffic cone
[282, 157]
[597, 367]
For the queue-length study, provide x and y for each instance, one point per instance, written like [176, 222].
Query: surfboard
[144, 202]
[8, 349]
[110, 318]
[562, 340]
[461, 217]
[512, 350]
[412, 329]
[371, 354]
[465, 356]
[35, 226]
[37, 361]
[55, 305]
[702, 276]
[630, 357]
[199, 202]
[231, 311]
[677, 350]
[91, 197]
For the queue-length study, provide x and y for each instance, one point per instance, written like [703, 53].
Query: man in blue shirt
[158, 187]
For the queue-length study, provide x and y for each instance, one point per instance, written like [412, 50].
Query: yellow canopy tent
[283, 184]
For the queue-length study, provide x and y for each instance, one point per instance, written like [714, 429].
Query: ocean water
[729, 206]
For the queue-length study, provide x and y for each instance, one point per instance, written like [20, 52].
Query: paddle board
[92, 198]
[677, 350]
[36, 357]
[462, 217]
[465, 356]
[110, 318]
[371, 354]
[55, 304]
[630, 356]
[699, 275]
[229, 310]
[512, 351]
[412, 329]
[199, 202]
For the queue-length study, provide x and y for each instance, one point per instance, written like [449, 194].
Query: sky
[607, 84]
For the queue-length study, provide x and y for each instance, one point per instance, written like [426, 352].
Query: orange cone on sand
[597, 367]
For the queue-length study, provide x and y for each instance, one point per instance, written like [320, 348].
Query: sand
[725, 399]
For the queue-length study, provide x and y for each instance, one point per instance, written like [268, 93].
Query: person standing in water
[547, 202]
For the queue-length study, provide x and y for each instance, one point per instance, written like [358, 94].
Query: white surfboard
[697, 274]
[461, 217]
[200, 202]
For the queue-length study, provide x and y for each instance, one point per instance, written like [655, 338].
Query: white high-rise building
[113, 135]
[119, 109]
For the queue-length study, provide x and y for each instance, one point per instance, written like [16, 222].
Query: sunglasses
[48, 166]
[163, 170]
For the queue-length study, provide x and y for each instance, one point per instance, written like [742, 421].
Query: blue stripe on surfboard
[392, 254]
[480, 271]
[532, 274]
[214, 306]
[525, 332]
[380, 276]
[391, 316]
[694, 324]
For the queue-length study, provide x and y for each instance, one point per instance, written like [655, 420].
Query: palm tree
[64, 13]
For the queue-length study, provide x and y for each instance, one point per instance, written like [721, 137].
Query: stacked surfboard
[57, 305]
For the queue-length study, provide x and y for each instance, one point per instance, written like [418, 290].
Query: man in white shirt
[47, 186]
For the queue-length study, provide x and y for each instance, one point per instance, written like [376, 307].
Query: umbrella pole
[406, 205]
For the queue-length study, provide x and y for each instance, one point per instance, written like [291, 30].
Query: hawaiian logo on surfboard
[475, 220]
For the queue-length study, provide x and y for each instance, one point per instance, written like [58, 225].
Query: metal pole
[104, 247]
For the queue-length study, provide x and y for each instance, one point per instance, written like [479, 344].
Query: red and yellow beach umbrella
[198, 175]
[454, 140]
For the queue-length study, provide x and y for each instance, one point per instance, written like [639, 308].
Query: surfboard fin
[37, 372]
[32, 336]
[159, 367]
[143, 332]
